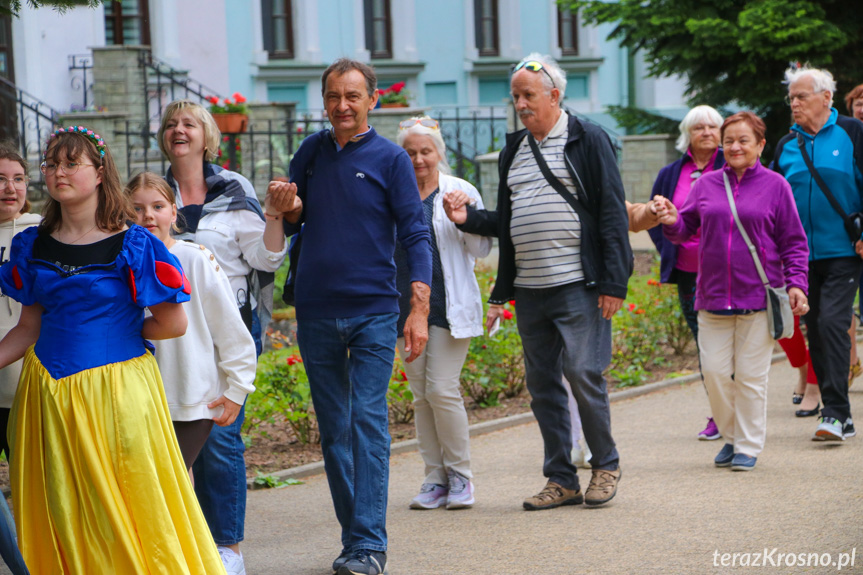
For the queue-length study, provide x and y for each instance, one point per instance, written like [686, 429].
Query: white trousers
[439, 412]
[738, 346]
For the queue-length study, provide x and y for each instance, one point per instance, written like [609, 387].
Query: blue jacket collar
[830, 121]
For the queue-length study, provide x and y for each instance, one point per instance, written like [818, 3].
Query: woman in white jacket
[209, 371]
[455, 316]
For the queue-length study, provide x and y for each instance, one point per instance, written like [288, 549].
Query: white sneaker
[581, 455]
[233, 563]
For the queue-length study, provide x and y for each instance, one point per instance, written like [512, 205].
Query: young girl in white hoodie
[14, 218]
[210, 370]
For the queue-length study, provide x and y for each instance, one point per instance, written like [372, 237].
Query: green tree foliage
[13, 7]
[735, 51]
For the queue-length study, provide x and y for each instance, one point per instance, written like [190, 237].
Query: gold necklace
[79, 238]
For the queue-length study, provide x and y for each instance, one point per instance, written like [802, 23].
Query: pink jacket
[727, 277]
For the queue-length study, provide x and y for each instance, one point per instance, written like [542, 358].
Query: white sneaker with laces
[233, 563]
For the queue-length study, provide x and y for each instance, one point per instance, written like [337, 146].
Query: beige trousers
[439, 412]
[738, 346]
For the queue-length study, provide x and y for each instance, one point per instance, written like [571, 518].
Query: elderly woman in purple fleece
[733, 336]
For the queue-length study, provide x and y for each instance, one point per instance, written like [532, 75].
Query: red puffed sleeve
[154, 275]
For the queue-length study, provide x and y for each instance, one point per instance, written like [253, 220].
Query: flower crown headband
[97, 139]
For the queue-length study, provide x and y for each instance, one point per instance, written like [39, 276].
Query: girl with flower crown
[98, 481]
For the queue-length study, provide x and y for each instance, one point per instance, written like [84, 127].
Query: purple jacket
[727, 277]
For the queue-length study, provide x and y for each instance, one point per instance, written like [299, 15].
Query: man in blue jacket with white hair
[825, 150]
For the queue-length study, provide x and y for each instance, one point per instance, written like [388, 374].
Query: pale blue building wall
[433, 52]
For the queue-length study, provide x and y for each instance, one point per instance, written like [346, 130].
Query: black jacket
[606, 256]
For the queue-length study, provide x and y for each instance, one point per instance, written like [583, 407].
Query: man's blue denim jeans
[220, 482]
[349, 362]
[220, 472]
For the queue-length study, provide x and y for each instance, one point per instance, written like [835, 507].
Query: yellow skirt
[98, 482]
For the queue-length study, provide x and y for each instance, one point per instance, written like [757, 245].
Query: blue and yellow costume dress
[98, 481]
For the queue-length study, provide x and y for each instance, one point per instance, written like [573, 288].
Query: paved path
[674, 509]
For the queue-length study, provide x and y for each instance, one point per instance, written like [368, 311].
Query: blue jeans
[563, 333]
[220, 482]
[349, 362]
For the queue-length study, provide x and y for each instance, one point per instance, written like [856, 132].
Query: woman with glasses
[15, 217]
[220, 210]
[699, 144]
[455, 316]
[98, 481]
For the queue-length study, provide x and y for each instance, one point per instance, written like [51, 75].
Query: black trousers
[832, 286]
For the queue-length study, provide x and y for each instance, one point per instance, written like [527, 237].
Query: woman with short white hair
[455, 316]
[699, 144]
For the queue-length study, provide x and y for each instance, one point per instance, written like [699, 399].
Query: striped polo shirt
[545, 230]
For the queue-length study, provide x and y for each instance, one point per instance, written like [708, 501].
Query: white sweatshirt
[10, 310]
[216, 356]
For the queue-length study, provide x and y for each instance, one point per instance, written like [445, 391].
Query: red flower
[384, 91]
[484, 346]
[639, 311]
[225, 138]
[228, 102]
[652, 282]
[507, 314]
[632, 307]
[238, 98]
[299, 129]
[226, 165]
[294, 359]
[213, 100]
[512, 302]
[397, 87]
[403, 376]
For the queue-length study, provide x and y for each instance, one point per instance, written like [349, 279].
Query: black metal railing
[468, 133]
[261, 153]
[27, 121]
[265, 150]
[82, 80]
[163, 84]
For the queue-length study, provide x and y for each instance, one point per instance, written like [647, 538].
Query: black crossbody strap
[801, 141]
[558, 186]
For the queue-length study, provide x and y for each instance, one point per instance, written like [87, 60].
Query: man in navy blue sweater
[355, 193]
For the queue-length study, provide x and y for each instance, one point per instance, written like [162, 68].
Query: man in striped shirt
[567, 262]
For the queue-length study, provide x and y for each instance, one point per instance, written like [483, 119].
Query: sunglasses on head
[533, 66]
[424, 122]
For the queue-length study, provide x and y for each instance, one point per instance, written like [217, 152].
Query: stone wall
[118, 81]
[641, 160]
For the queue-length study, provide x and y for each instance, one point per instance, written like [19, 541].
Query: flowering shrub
[236, 104]
[649, 323]
[399, 396]
[494, 365]
[283, 390]
[395, 94]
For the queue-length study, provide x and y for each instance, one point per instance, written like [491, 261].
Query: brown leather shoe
[551, 496]
[603, 486]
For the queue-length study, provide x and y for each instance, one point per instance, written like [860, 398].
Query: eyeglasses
[19, 182]
[424, 122]
[802, 96]
[533, 66]
[69, 168]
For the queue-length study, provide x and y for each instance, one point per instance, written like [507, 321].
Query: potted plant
[395, 96]
[231, 115]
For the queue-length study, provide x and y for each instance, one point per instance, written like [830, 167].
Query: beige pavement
[674, 509]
